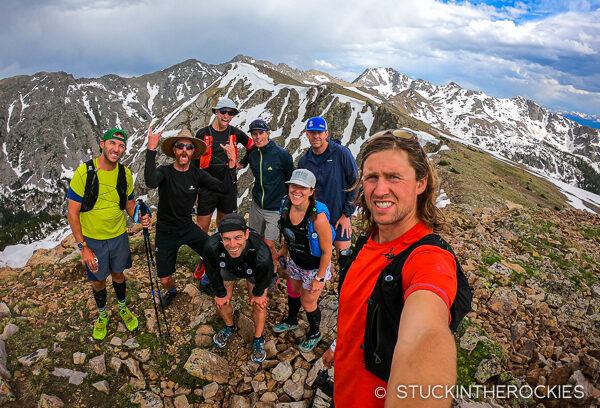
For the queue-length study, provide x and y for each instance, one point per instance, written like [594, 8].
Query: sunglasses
[224, 111]
[401, 133]
[186, 146]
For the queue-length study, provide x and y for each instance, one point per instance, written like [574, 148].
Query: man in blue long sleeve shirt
[336, 171]
[271, 166]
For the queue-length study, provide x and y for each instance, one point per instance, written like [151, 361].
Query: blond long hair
[427, 211]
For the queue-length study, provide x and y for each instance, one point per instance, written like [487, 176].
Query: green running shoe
[310, 342]
[284, 326]
[128, 318]
[100, 327]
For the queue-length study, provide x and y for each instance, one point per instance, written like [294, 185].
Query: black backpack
[92, 186]
[386, 302]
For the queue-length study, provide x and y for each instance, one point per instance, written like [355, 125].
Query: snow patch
[442, 200]
[66, 173]
[10, 111]
[153, 91]
[16, 256]
[365, 94]
[88, 108]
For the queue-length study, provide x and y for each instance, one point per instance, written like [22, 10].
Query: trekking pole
[152, 267]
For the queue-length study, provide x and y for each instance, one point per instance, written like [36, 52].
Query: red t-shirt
[427, 268]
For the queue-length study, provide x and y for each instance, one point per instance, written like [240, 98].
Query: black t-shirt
[296, 239]
[256, 261]
[215, 157]
[177, 191]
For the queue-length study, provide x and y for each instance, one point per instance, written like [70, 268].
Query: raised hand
[153, 139]
[231, 153]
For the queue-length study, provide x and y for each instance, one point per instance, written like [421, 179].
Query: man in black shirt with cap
[178, 185]
[236, 252]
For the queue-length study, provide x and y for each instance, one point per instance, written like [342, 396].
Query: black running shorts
[208, 201]
[168, 244]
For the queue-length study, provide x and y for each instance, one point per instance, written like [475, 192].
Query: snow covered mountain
[516, 128]
[52, 122]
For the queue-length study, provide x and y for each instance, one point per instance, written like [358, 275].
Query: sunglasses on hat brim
[401, 133]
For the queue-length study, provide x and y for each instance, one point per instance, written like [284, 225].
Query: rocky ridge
[535, 321]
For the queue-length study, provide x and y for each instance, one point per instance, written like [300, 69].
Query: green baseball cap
[115, 134]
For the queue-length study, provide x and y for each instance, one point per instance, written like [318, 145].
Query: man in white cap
[178, 185]
[214, 161]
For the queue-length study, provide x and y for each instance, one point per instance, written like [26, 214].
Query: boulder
[102, 386]
[282, 372]
[98, 365]
[6, 394]
[147, 399]
[208, 366]
[50, 401]
[34, 357]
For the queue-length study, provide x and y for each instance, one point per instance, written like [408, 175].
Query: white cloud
[491, 49]
[323, 64]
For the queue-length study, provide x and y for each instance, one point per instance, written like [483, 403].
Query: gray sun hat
[226, 103]
[303, 177]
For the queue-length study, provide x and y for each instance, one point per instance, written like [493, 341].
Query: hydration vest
[313, 237]
[92, 186]
[207, 156]
[384, 306]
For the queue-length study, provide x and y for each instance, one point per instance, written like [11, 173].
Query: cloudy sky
[544, 50]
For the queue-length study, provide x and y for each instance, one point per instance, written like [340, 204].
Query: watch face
[80, 245]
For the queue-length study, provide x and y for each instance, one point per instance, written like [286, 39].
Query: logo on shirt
[191, 187]
[390, 255]
[270, 168]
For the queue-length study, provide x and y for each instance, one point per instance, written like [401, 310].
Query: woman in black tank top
[307, 273]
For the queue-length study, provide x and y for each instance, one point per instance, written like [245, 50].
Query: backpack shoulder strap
[90, 193]
[321, 208]
[122, 186]
[464, 293]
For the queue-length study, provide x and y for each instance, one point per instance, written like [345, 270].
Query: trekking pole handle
[143, 211]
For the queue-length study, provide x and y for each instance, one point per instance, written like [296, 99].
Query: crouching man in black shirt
[178, 185]
[236, 252]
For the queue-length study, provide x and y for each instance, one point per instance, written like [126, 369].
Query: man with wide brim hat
[178, 184]
[184, 135]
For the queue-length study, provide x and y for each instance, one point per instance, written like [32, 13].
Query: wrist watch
[320, 279]
[81, 245]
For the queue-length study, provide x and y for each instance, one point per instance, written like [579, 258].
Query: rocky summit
[535, 319]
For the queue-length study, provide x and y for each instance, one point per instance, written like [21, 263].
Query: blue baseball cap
[259, 124]
[316, 123]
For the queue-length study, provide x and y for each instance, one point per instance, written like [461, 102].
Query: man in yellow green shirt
[98, 224]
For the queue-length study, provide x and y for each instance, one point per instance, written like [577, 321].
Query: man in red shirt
[396, 194]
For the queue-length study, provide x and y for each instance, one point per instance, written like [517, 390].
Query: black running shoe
[167, 298]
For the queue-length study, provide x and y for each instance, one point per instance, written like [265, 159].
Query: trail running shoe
[310, 342]
[100, 327]
[258, 350]
[223, 336]
[167, 298]
[131, 322]
[284, 326]
[199, 272]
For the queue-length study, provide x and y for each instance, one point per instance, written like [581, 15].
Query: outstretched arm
[425, 353]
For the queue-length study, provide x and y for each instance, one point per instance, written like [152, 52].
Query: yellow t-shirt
[106, 220]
